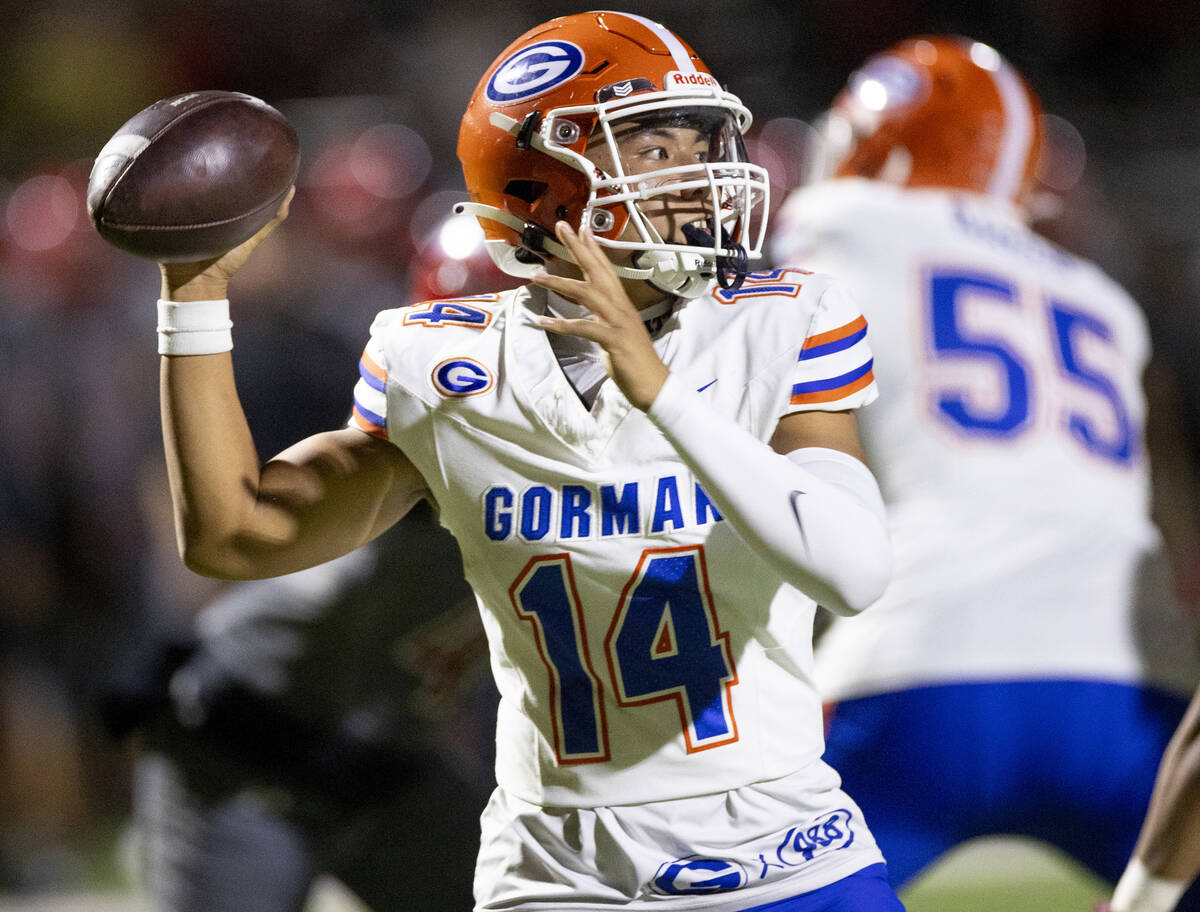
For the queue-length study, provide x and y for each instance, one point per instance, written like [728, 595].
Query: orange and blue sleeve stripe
[843, 350]
[836, 340]
[372, 373]
[370, 398]
[831, 389]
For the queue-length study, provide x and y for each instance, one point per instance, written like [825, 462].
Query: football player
[1026, 666]
[648, 457]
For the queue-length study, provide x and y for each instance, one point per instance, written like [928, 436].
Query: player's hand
[207, 280]
[615, 324]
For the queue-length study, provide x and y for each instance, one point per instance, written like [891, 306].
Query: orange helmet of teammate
[938, 112]
[553, 104]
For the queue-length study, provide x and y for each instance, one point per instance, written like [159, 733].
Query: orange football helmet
[938, 111]
[560, 90]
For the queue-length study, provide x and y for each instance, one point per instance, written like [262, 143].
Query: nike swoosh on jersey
[707, 385]
[795, 498]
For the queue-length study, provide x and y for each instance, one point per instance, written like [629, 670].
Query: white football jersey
[1007, 440]
[642, 653]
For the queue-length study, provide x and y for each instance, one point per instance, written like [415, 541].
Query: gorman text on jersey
[574, 511]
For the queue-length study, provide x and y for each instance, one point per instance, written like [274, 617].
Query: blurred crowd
[88, 571]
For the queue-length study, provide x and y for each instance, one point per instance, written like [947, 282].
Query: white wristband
[1140, 891]
[194, 327]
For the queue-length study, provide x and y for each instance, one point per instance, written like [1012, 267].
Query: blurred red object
[359, 190]
[452, 262]
[50, 258]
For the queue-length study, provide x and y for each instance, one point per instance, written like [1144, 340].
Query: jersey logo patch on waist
[694, 874]
[801, 844]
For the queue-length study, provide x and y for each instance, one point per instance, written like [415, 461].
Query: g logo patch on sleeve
[458, 378]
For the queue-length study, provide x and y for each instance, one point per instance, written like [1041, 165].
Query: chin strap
[685, 275]
[731, 270]
[531, 233]
[681, 274]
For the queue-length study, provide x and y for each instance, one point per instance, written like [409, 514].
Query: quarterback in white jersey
[606, 571]
[643, 653]
[649, 460]
[1009, 445]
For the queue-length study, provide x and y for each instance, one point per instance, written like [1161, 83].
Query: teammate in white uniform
[1025, 667]
[649, 497]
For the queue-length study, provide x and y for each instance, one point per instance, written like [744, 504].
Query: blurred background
[88, 572]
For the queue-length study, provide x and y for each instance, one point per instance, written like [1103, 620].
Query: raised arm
[806, 503]
[235, 518]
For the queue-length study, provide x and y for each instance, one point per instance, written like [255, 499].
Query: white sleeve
[835, 367]
[816, 515]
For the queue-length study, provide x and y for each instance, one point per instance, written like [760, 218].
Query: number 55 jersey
[1009, 445]
[642, 651]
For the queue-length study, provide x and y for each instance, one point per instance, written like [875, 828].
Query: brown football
[192, 176]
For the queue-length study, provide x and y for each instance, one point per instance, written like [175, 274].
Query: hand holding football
[193, 176]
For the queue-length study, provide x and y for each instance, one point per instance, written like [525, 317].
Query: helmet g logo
[534, 70]
[886, 83]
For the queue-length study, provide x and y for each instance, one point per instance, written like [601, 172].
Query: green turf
[1005, 875]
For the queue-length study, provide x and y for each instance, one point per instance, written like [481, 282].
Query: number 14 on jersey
[664, 643]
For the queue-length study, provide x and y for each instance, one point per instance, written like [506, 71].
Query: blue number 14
[664, 644]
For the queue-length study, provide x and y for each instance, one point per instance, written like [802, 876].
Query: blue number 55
[1070, 329]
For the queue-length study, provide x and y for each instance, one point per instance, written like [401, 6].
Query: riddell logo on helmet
[677, 80]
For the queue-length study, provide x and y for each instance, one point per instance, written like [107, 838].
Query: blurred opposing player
[648, 458]
[1025, 667]
[306, 733]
